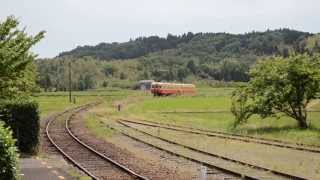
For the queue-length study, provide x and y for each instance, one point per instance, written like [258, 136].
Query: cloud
[70, 23]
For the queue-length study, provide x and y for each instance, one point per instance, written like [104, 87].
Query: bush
[9, 155]
[123, 84]
[218, 84]
[105, 84]
[23, 118]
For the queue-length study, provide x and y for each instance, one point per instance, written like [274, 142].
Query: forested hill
[280, 41]
[192, 58]
[131, 49]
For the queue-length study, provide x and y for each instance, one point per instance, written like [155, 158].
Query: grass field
[100, 130]
[52, 102]
[210, 109]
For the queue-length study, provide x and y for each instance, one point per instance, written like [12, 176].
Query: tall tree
[279, 86]
[17, 72]
[192, 67]
[182, 74]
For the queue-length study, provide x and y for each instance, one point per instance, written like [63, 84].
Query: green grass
[52, 102]
[208, 91]
[77, 176]
[263, 155]
[185, 104]
[208, 99]
[97, 127]
[211, 110]
[95, 92]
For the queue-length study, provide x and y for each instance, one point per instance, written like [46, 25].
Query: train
[166, 89]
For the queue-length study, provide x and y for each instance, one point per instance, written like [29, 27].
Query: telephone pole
[70, 100]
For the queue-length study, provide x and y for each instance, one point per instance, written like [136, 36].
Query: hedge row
[22, 116]
[9, 155]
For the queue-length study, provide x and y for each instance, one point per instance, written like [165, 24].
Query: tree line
[185, 58]
[280, 41]
[131, 49]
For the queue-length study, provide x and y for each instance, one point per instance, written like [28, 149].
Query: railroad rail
[224, 135]
[275, 172]
[224, 170]
[93, 163]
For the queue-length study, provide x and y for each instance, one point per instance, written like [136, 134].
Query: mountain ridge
[267, 42]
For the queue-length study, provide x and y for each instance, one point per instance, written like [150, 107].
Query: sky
[72, 23]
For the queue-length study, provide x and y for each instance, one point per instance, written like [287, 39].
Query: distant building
[145, 84]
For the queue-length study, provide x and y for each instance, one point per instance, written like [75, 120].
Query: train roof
[166, 83]
[146, 81]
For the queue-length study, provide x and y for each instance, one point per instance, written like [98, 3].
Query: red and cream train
[166, 89]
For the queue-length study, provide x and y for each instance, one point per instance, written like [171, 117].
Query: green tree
[9, 154]
[145, 75]
[192, 67]
[89, 81]
[279, 86]
[109, 70]
[123, 76]
[105, 84]
[46, 82]
[182, 73]
[17, 72]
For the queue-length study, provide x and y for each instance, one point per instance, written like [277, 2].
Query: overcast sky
[70, 23]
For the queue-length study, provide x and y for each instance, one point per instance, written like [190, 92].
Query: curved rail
[223, 135]
[243, 176]
[73, 161]
[102, 155]
[62, 152]
[215, 155]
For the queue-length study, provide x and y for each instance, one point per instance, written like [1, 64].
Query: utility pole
[70, 100]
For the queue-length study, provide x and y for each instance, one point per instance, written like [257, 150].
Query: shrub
[23, 118]
[105, 84]
[123, 84]
[8, 154]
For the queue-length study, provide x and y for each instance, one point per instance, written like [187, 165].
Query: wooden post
[70, 99]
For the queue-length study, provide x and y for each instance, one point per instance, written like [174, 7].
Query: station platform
[39, 169]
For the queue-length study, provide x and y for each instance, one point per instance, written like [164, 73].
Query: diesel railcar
[166, 89]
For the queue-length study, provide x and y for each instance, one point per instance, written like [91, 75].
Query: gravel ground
[144, 159]
[300, 163]
[48, 152]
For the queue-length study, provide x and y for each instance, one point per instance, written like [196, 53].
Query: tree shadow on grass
[271, 130]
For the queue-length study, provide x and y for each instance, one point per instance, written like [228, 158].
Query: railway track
[256, 172]
[212, 169]
[224, 135]
[93, 163]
